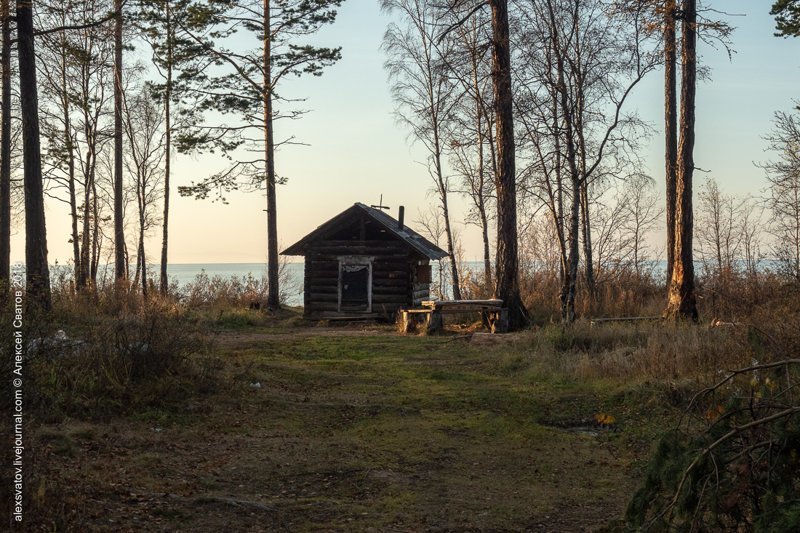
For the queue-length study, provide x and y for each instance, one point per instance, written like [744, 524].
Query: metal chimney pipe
[400, 217]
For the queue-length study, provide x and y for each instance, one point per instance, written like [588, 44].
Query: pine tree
[787, 17]
[247, 90]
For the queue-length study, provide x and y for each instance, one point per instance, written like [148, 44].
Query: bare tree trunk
[5, 153]
[120, 268]
[681, 302]
[570, 278]
[481, 204]
[70, 147]
[96, 239]
[451, 249]
[164, 282]
[142, 258]
[559, 192]
[487, 257]
[586, 221]
[442, 186]
[273, 290]
[85, 263]
[586, 229]
[507, 269]
[569, 285]
[37, 269]
[670, 128]
[87, 277]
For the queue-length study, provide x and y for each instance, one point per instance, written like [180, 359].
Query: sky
[356, 152]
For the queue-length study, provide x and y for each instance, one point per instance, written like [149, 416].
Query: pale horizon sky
[357, 152]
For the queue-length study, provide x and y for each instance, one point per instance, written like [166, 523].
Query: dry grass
[147, 421]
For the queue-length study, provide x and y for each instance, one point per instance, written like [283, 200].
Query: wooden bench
[597, 321]
[493, 315]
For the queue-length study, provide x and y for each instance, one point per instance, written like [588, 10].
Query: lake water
[184, 273]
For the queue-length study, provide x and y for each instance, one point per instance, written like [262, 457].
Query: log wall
[393, 276]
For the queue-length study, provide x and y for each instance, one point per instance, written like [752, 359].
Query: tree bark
[670, 128]
[5, 152]
[681, 302]
[120, 268]
[481, 203]
[273, 289]
[442, 186]
[141, 253]
[570, 275]
[507, 268]
[164, 281]
[36, 266]
[70, 148]
[95, 261]
[586, 230]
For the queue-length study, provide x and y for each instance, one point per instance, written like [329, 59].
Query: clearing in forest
[344, 429]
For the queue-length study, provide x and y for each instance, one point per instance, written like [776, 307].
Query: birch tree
[582, 59]
[146, 134]
[424, 95]
[783, 200]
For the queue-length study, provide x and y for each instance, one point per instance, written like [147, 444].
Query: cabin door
[355, 285]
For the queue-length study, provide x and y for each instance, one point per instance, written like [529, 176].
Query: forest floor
[361, 429]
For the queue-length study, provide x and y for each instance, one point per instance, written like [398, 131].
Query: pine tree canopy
[787, 17]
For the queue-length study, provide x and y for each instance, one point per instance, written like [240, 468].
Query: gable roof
[408, 236]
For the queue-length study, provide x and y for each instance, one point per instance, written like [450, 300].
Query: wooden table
[493, 315]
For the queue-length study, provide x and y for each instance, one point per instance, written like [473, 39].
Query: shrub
[108, 364]
[734, 462]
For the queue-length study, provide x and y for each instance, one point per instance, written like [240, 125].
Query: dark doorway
[355, 287]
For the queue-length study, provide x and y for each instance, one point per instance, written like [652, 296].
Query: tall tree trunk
[586, 230]
[569, 285]
[37, 269]
[681, 302]
[507, 268]
[96, 238]
[164, 282]
[487, 256]
[120, 268]
[89, 189]
[85, 263]
[670, 128]
[69, 144]
[481, 203]
[451, 249]
[448, 230]
[558, 169]
[5, 152]
[580, 135]
[141, 253]
[570, 277]
[273, 290]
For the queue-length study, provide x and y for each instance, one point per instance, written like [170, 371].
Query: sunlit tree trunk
[670, 127]
[507, 268]
[273, 291]
[681, 302]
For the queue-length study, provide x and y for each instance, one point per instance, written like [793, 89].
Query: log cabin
[363, 263]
